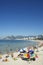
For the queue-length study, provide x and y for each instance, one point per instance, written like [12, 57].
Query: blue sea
[13, 45]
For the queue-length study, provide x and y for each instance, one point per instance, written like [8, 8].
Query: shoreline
[19, 61]
[39, 42]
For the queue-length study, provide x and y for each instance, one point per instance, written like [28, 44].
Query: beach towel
[26, 55]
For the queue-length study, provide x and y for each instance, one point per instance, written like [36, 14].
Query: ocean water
[13, 45]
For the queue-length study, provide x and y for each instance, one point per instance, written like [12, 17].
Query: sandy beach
[19, 61]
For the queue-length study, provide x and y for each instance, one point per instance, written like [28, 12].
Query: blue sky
[21, 17]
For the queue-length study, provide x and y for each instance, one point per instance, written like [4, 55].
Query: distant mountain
[19, 37]
[9, 38]
[15, 37]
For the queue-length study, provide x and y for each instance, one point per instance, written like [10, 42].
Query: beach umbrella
[21, 50]
[25, 49]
